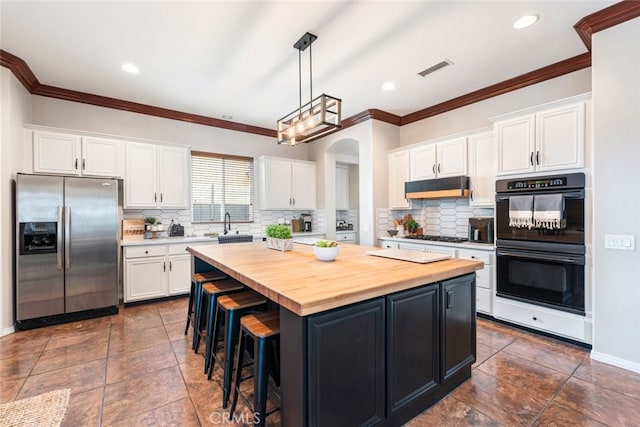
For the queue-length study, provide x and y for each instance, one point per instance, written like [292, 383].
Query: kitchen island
[364, 340]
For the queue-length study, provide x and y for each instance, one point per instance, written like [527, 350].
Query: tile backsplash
[446, 217]
[260, 220]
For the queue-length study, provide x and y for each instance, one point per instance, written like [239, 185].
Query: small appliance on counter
[306, 218]
[175, 230]
[481, 230]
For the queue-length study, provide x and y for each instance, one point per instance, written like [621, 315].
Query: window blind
[221, 184]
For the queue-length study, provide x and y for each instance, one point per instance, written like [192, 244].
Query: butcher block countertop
[299, 282]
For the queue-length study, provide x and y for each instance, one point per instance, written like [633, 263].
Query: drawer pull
[535, 318]
[146, 252]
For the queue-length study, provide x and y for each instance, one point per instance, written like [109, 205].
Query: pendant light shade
[316, 118]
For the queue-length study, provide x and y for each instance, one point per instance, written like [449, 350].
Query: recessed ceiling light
[525, 21]
[130, 68]
[388, 86]
[227, 117]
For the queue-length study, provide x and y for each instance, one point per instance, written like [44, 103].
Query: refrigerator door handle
[59, 239]
[67, 237]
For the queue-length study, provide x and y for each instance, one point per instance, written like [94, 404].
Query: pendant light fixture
[318, 117]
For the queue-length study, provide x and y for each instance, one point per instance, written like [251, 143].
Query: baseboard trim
[616, 361]
[7, 331]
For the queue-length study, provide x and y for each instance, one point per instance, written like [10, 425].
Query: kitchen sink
[235, 238]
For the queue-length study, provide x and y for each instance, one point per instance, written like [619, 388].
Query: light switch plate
[620, 241]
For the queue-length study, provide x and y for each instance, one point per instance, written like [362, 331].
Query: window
[221, 184]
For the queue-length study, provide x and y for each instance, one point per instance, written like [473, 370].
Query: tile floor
[137, 368]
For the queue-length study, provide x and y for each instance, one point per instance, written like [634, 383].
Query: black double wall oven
[542, 261]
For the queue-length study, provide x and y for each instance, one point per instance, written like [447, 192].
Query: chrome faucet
[226, 230]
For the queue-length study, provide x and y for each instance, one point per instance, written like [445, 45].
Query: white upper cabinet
[482, 169]
[342, 187]
[548, 140]
[157, 176]
[102, 157]
[173, 177]
[452, 158]
[398, 175]
[68, 154]
[287, 184]
[516, 144]
[422, 162]
[439, 160]
[560, 138]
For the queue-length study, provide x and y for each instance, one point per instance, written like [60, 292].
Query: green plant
[150, 220]
[412, 225]
[278, 231]
[326, 243]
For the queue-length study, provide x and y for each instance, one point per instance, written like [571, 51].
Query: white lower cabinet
[485, 278]
[156, 271]
[568, 325]
[346, 237]
[388, 244]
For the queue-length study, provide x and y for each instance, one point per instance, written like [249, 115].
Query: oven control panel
[537, 183]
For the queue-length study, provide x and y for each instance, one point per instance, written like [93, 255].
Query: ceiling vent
[436, 67]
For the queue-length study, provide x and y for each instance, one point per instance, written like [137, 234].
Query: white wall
[476, 116]
[72, 115]
[14, 110]
[374, 140]
[616, 106]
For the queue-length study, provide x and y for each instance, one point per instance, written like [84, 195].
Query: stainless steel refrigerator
[67, 238]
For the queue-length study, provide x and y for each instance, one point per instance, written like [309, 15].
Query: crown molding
[541, 74]
[134, 107]
[586, 27]
[20, 69]
[606, 18]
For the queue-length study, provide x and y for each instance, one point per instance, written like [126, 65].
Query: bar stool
[193, 311]
[210, 292]
[264, 329]
[230, 309]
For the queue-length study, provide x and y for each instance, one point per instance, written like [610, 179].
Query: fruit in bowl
[326, 250]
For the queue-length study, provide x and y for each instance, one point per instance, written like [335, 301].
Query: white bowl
[326, 254]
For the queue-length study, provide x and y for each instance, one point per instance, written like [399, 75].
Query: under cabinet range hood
[457, 186]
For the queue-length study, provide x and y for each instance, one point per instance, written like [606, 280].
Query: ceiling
[236, 58]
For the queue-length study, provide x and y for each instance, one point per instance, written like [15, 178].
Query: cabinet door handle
[434, 169]
[294, 201]
[155, 197]
[160, 197]
[76, 164]
[471, 195]
[537, 157]
[438, 167]
[531, 159]
[170, 266]
[164, 266]
[84, 164]
[449, 299]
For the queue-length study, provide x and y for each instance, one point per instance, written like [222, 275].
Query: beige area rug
[45, 410]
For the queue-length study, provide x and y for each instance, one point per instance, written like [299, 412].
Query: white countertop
[186, 239]
[463, 245]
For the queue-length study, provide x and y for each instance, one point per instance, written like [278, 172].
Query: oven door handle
[545, 256]
[566, 195]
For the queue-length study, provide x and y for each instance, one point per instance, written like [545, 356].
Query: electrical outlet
[619, 241]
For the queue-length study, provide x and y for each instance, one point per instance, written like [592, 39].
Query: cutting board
[409, 255]
[132, 229]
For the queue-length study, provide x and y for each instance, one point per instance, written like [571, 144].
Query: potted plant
[412, 226]
[150, 222]
[279, 237]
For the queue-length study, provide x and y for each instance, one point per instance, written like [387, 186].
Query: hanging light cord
[310, 75]
[300, 81]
